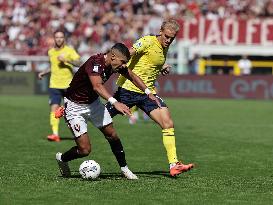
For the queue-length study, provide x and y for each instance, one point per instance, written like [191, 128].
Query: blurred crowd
[26, 27]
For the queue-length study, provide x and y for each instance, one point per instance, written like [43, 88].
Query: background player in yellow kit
[148, 56]
[62, 59]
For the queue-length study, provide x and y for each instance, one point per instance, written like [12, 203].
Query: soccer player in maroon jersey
[82, 104]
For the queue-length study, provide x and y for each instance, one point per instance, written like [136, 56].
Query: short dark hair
[59, 31]
[122, 49]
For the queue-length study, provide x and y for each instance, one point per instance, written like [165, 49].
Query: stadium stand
[26, 27]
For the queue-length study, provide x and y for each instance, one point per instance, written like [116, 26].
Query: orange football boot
[54, 138]
[180, 168]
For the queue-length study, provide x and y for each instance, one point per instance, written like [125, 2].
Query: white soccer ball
[89, 169]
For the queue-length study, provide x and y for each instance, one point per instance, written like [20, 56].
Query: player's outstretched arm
[99, 88]
[43, 73]
[135, 79]
[76, 63]
[121, 108]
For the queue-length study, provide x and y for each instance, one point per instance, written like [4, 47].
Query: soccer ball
[89, 169]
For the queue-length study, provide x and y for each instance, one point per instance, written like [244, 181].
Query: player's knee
[111, 136]
[168, 124]
[110, 133]
[85, 150]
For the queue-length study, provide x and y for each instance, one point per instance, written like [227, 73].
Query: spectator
[245, 65]
[27, 25]
[193, 64]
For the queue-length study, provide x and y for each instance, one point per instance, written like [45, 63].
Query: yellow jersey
[146, 63]
[61, 73]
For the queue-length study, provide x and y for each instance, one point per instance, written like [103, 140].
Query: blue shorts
[55, 96]
[131, 99]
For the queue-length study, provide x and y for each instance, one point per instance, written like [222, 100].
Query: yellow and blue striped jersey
[146, 63]
[61, 73]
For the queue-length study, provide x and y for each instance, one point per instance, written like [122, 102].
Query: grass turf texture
[230, 142]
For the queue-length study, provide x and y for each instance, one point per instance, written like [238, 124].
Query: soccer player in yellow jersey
[148, 56]
[62, 59]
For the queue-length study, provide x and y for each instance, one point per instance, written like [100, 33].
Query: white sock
[172, 165]
[59, 157]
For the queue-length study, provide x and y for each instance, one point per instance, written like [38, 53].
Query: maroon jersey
[80, 89]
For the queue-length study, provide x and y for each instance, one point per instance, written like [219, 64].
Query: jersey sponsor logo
[77, 127]
[96, 68]
[138, 44]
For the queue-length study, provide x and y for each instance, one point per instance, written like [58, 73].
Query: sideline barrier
[185, 86]
[217, 86]
[22, 83]
[17, 83]
[214, 86]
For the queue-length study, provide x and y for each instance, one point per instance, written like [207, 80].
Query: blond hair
[170, 24]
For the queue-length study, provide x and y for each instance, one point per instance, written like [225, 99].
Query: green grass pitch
[231, 143]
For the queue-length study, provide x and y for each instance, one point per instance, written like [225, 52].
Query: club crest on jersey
[77, 127]
[138, 44]
[96, 68]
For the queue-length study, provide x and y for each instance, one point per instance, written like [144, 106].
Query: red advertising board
[213, 86]
[227, 31]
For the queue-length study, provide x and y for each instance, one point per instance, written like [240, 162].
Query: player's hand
[40, 75]
[154, 98]
[122, 108]
[61, 58]
[166, 69]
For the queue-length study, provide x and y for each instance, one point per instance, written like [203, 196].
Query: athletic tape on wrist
[147, 91]
[112, 100]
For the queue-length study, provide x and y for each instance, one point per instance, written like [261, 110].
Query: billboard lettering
[227, 31]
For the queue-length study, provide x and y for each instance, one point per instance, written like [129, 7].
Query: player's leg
[82, 149]
[101, 118]
[134, 117]
[111, 136]
[76, 119]
[162, 117]
[117, 149]
[54, 123]
[74, 116]
[55, 99]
